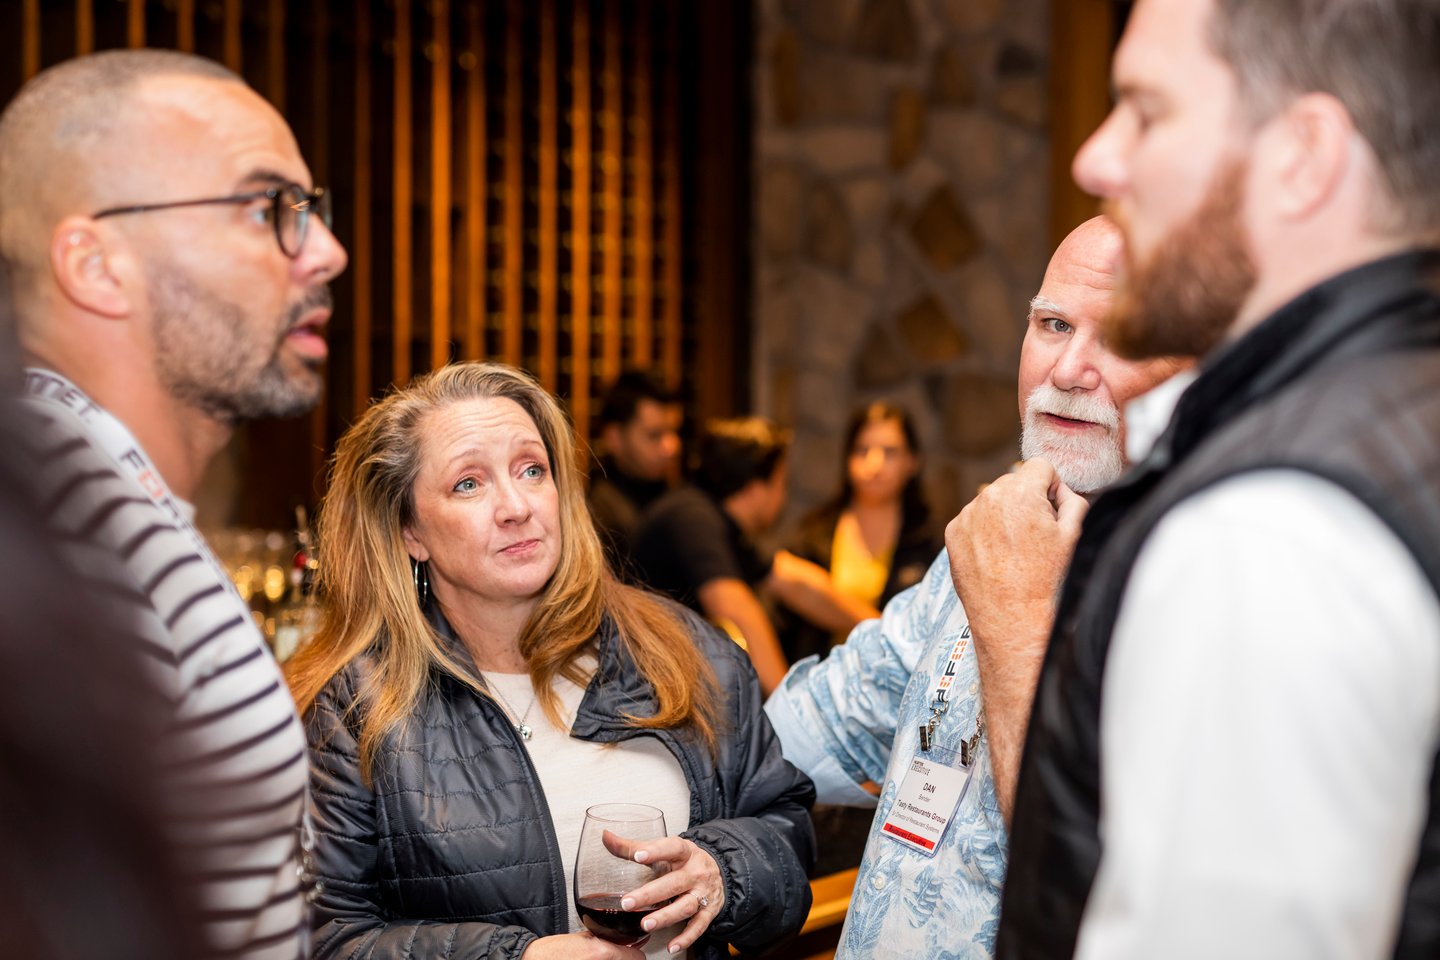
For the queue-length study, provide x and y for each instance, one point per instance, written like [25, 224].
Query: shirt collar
[1148, 414]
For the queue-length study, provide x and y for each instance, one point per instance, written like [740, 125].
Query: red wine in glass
[603, 916]
[602, 879]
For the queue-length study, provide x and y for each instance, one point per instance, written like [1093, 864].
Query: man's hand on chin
[1009, 549]
[1010, 546]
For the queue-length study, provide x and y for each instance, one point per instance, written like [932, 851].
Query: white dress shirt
[1270, 719]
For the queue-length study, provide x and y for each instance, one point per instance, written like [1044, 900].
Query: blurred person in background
[703, 544]
[169, 259]
[874, 537]
[480, 678]
[638, 434]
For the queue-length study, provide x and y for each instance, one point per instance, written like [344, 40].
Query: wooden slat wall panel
[612, 199]
[275, 59]
[84, 25]
[362, 261]
[320, 94]
[319, 158]
[527, 202]
[548, 280]
[30, 42]
[643, 261]
[720, 272]
[233, 55]
[581, 160]
[514, 184]
[673, 248]
[1082, 32]
[439, 52]
[475, 181]
[135, 27]
[403, 185]
[185, 26]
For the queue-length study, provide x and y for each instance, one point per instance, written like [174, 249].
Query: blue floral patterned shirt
[855, 716]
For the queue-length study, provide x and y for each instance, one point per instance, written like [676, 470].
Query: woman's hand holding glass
[688, 883]
[578, 946]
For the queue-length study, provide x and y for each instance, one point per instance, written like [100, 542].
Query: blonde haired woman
[481, 678]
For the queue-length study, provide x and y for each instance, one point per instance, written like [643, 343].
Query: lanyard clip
[969, 748]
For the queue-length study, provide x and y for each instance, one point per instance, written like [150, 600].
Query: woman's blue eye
[466, 485]
[534, 471]
[1058, 325]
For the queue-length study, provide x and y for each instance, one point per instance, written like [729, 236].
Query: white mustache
[1072, 406]
[1085, 461]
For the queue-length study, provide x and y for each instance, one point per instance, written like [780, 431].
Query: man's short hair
[75, 98]
[623, 397]
[1380, 58]
[56, 127]
[733, 452]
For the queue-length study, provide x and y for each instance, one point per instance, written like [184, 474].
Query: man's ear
[413, 546]
[1309, 154]
[85, 263]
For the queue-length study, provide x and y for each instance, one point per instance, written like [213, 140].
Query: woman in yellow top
[874, 536]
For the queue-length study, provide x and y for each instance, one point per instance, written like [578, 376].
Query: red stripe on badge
[907, 835]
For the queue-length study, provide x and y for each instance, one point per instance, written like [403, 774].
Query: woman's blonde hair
[368, 598]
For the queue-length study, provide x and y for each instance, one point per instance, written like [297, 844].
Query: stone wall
[901, 203]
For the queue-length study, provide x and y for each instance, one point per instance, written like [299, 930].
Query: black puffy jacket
[453, 854]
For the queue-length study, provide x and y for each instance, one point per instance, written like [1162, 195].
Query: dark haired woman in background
[874, 539]
[874, 536]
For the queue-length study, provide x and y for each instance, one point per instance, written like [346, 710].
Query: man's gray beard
[1086, 462]
[201, 355]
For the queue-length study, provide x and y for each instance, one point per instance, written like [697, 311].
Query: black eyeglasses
[289, 212]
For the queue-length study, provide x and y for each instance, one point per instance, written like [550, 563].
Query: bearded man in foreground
[1233, 745]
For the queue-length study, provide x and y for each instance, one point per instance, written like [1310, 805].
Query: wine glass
[602, 879]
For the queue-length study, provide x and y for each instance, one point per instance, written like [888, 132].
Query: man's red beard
[1187, 293]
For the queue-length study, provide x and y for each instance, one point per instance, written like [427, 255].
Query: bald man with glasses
[169, 261]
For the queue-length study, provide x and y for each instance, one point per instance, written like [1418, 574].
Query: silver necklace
[521, 727]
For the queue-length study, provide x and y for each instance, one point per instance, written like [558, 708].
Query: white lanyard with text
[930, 792]
[940, 703]
[119, 444]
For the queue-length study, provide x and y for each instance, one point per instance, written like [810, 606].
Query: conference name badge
[927, 800]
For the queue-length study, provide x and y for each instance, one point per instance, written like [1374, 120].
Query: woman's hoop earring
[420, 574]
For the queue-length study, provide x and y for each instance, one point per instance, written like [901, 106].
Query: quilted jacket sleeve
[351, 918]
[766, 846]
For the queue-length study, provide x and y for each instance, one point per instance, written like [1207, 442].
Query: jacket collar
[616, 690]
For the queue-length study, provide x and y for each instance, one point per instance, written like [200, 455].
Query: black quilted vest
[1344, 383]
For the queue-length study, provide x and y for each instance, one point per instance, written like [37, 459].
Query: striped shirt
[233, 758]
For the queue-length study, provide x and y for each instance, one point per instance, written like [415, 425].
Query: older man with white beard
[899, 702]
